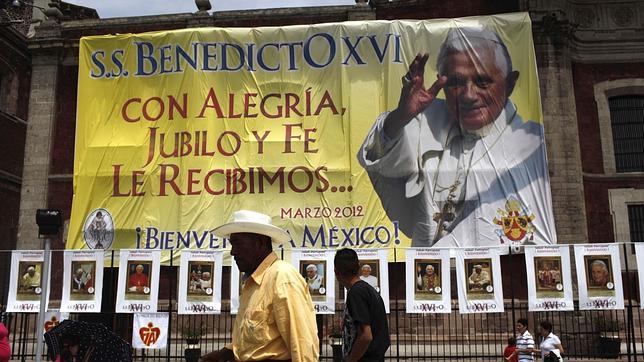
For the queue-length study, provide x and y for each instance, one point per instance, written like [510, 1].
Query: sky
[122, 8]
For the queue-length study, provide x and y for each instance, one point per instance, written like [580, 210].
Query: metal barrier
[414, 337]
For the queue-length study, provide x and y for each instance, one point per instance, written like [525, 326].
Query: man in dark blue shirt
[365, 330]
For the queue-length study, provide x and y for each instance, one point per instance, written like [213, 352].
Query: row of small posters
[478, 273]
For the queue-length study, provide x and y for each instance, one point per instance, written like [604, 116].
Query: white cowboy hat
[245, 221]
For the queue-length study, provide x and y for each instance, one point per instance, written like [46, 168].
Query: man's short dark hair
[523, 321]
[346, 262]
[546, 325]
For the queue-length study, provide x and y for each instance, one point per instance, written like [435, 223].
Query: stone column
[551, 37]
[39, 138]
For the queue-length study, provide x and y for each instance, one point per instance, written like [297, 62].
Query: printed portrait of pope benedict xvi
[466, 170]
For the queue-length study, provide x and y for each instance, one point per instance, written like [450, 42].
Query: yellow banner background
[113, 133]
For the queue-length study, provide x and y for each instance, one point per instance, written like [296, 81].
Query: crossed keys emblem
[150, 334]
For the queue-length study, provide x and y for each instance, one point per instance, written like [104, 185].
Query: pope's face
[139, 269]
[429, 270]
[599, 274]
[476, 89]
[366, 272]
[311, 273]
[477, 270]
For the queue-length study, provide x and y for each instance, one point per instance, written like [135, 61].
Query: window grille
[627, 122]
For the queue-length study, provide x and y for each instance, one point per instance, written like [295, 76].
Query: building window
[613, 90]
[627, 208]
[636, 222]
[627, 124]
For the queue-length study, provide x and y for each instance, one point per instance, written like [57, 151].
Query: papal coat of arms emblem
[515, 221]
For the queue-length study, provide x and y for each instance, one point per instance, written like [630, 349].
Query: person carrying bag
[550, 346]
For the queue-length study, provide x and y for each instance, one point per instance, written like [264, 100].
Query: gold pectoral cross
[447, 211]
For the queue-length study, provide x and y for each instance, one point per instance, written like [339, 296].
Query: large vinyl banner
[360, 134]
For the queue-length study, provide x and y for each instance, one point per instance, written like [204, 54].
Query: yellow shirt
[276, 319]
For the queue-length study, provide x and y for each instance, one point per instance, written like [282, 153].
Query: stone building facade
[15, 67]
[588, 52]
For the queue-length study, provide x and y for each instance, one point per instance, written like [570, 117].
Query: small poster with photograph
[26, 284]
[200, 282]
[547, 276]
[428, 281]
[82, 281]
[599, 276]
[138, 279]
[639, 255]
[374, 269]
[479, 280]
[138, 284]
[316, 267]
[549, 280]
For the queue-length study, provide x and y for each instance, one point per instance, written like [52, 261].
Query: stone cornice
[63, 39]
[601, 30]
[623, 176]
[53, 36]
[185, 20]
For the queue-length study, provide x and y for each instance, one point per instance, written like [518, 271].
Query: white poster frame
[414, 305]
[639, 257]
[538, 300]
[127, 304]
[584, 254]
[20, 258]
[93, 305]
[467, 304]
[381, 255]
[235, 293]
[211, 302]
[325, 304]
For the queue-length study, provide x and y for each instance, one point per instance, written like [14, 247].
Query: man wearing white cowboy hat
[276, 319]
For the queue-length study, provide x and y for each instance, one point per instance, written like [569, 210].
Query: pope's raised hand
[414, 97]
